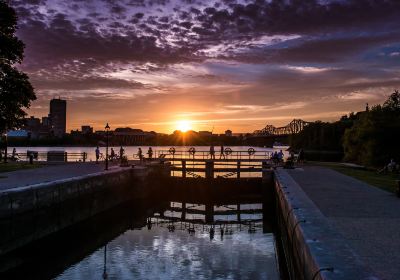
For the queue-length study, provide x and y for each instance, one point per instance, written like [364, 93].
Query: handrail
[205, 154]
[43, 156]
[157, 154]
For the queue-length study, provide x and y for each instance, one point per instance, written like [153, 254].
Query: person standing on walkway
[212, 151]
[97, 154]
[300, 156]
[280, 156]
[121, 153]
[140, 155]
[222, 154]
[112, 155]
[14, 154]
[150, 153]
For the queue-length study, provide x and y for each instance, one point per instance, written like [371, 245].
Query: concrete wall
[33, 212]
[313, 248]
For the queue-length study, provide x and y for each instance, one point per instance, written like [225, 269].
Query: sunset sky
[225, 64]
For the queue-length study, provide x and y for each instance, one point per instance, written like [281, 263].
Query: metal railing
[50, 156]
[205, 154]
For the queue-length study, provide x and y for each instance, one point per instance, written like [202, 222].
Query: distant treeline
[371, 137]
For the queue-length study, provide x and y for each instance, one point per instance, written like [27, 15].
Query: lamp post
[107, 131]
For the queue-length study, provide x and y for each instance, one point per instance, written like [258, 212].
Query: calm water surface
[157, 252]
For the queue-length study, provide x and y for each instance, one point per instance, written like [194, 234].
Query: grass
[13, 166]
[386, 182]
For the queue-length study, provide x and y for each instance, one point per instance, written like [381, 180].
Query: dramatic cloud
[216, 61]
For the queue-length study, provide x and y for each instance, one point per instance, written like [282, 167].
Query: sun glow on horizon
[183, 125]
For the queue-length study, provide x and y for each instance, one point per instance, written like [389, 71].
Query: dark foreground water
[175, 240]
[168, 248]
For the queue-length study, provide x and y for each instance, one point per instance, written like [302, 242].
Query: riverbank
[370, 176]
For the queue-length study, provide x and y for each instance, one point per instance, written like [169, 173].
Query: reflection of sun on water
[183, 125]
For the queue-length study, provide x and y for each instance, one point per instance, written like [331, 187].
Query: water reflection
[187, 241]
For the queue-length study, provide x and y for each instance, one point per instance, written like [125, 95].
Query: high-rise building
[58, 116]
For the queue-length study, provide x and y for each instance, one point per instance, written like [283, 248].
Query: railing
[221, 164]
[190, 155]
[50, 156]
[228, 154]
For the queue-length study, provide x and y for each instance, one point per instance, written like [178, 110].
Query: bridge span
[295, 126]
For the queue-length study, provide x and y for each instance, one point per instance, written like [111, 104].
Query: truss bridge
[295, 126]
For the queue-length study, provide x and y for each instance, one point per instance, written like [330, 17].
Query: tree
[16, 92]
[375, 136]
[393, 102]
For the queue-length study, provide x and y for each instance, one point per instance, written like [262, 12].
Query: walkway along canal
[69, 222]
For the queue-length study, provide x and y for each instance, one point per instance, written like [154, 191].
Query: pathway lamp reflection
[105, 276]
[5, 146]
[107, 132]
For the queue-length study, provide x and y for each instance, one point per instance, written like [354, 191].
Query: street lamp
[107, 131]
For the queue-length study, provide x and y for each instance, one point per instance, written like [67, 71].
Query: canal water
[173, 242]
[170, 248]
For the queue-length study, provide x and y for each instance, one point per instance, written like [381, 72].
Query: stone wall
[33, 212]
[313, 249]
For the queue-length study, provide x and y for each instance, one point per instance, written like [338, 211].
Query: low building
[36, 128]
[129, 136]
[46, 121]
[32, 122]
[86, 129]
[205, 133]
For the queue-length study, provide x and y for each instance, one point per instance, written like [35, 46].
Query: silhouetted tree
[16, 92]
[393, 102]
[375, 136]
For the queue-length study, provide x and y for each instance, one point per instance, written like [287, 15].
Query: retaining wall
[313, 248]
[32, 212]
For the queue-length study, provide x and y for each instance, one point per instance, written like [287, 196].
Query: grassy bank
[386, 182]
[13, 166]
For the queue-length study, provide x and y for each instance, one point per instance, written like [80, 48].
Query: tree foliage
[322, 136]
[374, 138]
[369, 138]
[16, 92]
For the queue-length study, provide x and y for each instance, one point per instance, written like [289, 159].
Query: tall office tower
[58, 116]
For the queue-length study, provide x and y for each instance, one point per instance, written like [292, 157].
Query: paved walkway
[25, 177]
[367, 217]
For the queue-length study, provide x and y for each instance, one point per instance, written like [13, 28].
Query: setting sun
[183, 125]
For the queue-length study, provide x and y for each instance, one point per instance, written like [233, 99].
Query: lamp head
[107, 127]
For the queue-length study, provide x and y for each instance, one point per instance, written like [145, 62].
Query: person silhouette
[112, 154]
[140, 154]
[212, 151]
[97, 151]
[14, 154]
[222, 154]
[150, 153]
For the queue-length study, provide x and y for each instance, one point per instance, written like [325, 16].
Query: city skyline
[218, 65]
